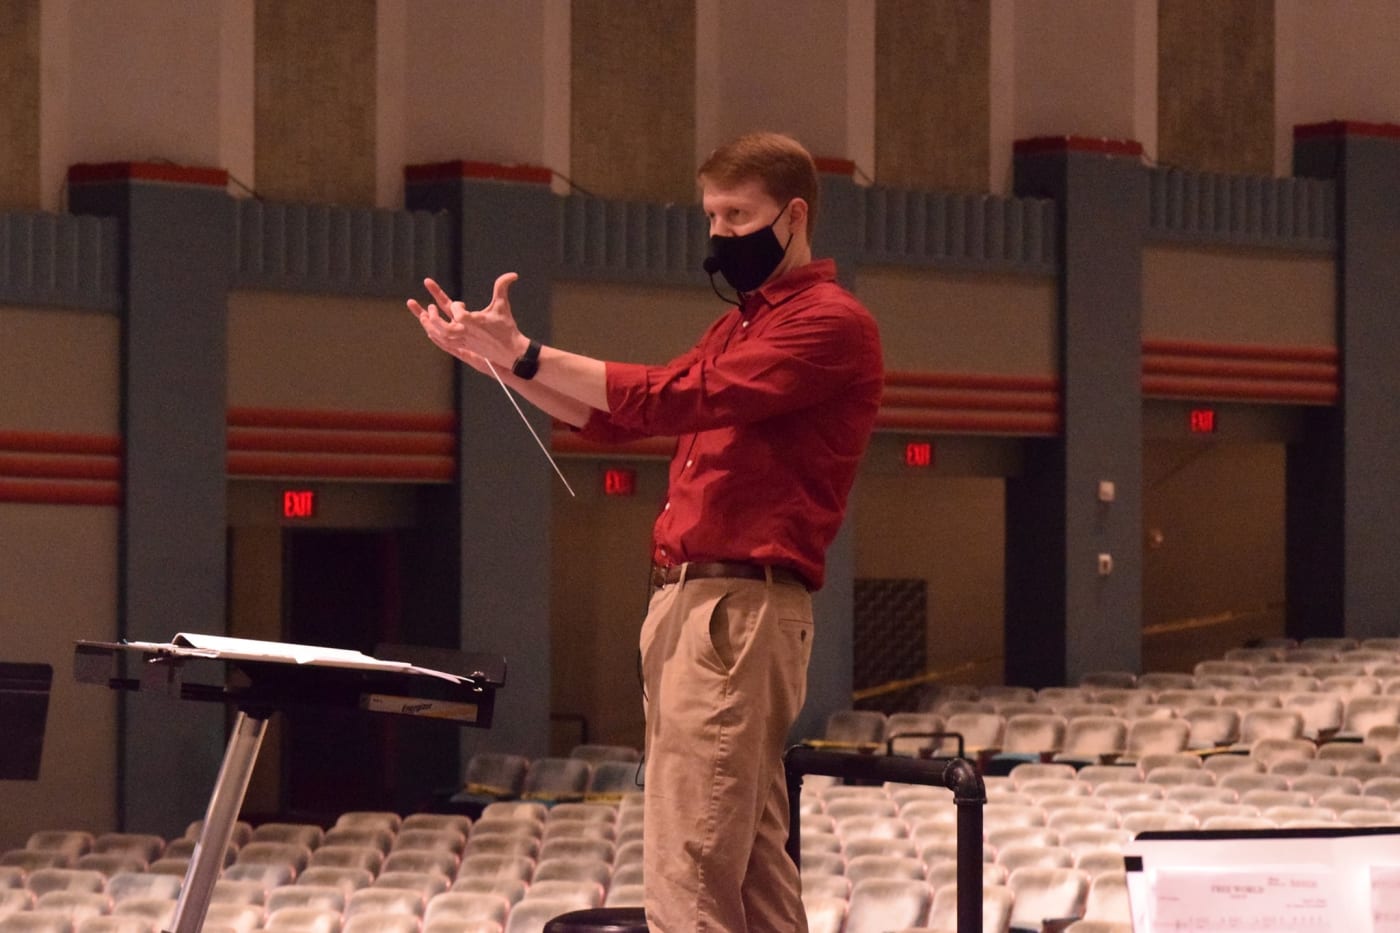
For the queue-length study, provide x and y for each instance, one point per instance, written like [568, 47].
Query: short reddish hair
[777, 161]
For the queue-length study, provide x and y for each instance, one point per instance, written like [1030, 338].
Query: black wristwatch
[529, 362]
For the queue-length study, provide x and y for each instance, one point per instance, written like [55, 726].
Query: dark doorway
[341, 589]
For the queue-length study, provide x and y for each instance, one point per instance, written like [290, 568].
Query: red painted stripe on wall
[1243, 351]
[332, 466]
[60, 493]
[299, 440]
[341, 420]
[60, 468]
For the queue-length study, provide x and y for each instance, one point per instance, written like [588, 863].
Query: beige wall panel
[325, 352]
[962, 322]
[932, 93]
[61, 370]
[61, 585]
[630, 323]
[633, 97]
[315, 101]
[948, 531]
[1213, 515]
[601, 557]
[1238, 296]
[1215, 85]
[19, 105]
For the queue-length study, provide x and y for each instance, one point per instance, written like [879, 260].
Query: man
[773, 409]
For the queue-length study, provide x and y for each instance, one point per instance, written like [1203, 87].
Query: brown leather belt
[662, 576]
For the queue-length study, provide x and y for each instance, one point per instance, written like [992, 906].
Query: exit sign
[619, 481]
[918, 454]
[298, 503]
[1202, 421]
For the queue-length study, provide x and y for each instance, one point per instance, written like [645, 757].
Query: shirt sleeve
[794, 363]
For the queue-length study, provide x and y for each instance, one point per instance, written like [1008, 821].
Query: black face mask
[747, 261]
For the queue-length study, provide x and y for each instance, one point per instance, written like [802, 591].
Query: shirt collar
[796, 280]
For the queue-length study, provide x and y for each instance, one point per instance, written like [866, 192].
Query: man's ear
[799, 214]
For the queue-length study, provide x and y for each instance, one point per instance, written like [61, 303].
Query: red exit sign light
[619, 481]
[1202, 421]
[918, 454]
[298, 503]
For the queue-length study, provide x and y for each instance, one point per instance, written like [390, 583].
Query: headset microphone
[710, 265]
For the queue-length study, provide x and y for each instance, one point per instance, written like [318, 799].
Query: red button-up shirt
[772, 409]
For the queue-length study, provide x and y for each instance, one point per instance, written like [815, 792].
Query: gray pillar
[1063, 617]
[1341, 527]
[833, 606]
[176, 244]
[504, 225]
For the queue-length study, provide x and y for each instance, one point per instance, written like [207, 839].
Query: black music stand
[24, 711]
[261, 678]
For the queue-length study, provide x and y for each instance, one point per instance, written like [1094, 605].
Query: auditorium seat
[425, 883]
[1165, 777]
[1159, 681]
[233, 918]
[158, 910]
[631, 872]
[374, 837]
[75, 843]
[380, 922]
[1020, 855]
[824, 914]
[1092, 739]
[265, 875]
[1156, 737]
[1351, 685]
[1111, 679]
[183, 848]
[556, 780]
[996, 909]
[233, 891]
[579, 894]
[502, 844]
[457, 821]
[1098, 926]
[597, 871]
[317, 896]
[13, 900]
[1046, 894]
[1086, 839]
[1161, 821]
[1214, 667]
[385, 820]
[34, 921]
[1108, 899]
[75, 905]
[369, 858]
[1236, 821]
[612, 780]
[823, 863]
[492, 776]
[981, 732]
[1386, 787]
[33, 859]
[853, 729]
[1027, 737]
[303, 920]
[419, 861]
[43, 880]
[903, 848]
[819, 843]
[908, 733]
[374, 900]
[512, 889]
[945, 872]
[303, 834]
[842, 808]
[347, 879]
[1365, 712]
[885, 866]
[577, 847]
[878, 905]
[1318, 785]
[1000, 837]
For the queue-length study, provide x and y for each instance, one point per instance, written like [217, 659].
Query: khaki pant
[724, 663]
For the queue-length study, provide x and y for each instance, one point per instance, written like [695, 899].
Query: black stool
[600, 920]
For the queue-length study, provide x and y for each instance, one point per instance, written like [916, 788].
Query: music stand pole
[224, 806]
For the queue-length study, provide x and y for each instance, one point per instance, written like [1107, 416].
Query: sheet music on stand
[224, 647]
[434, 683]
[1324, 880]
